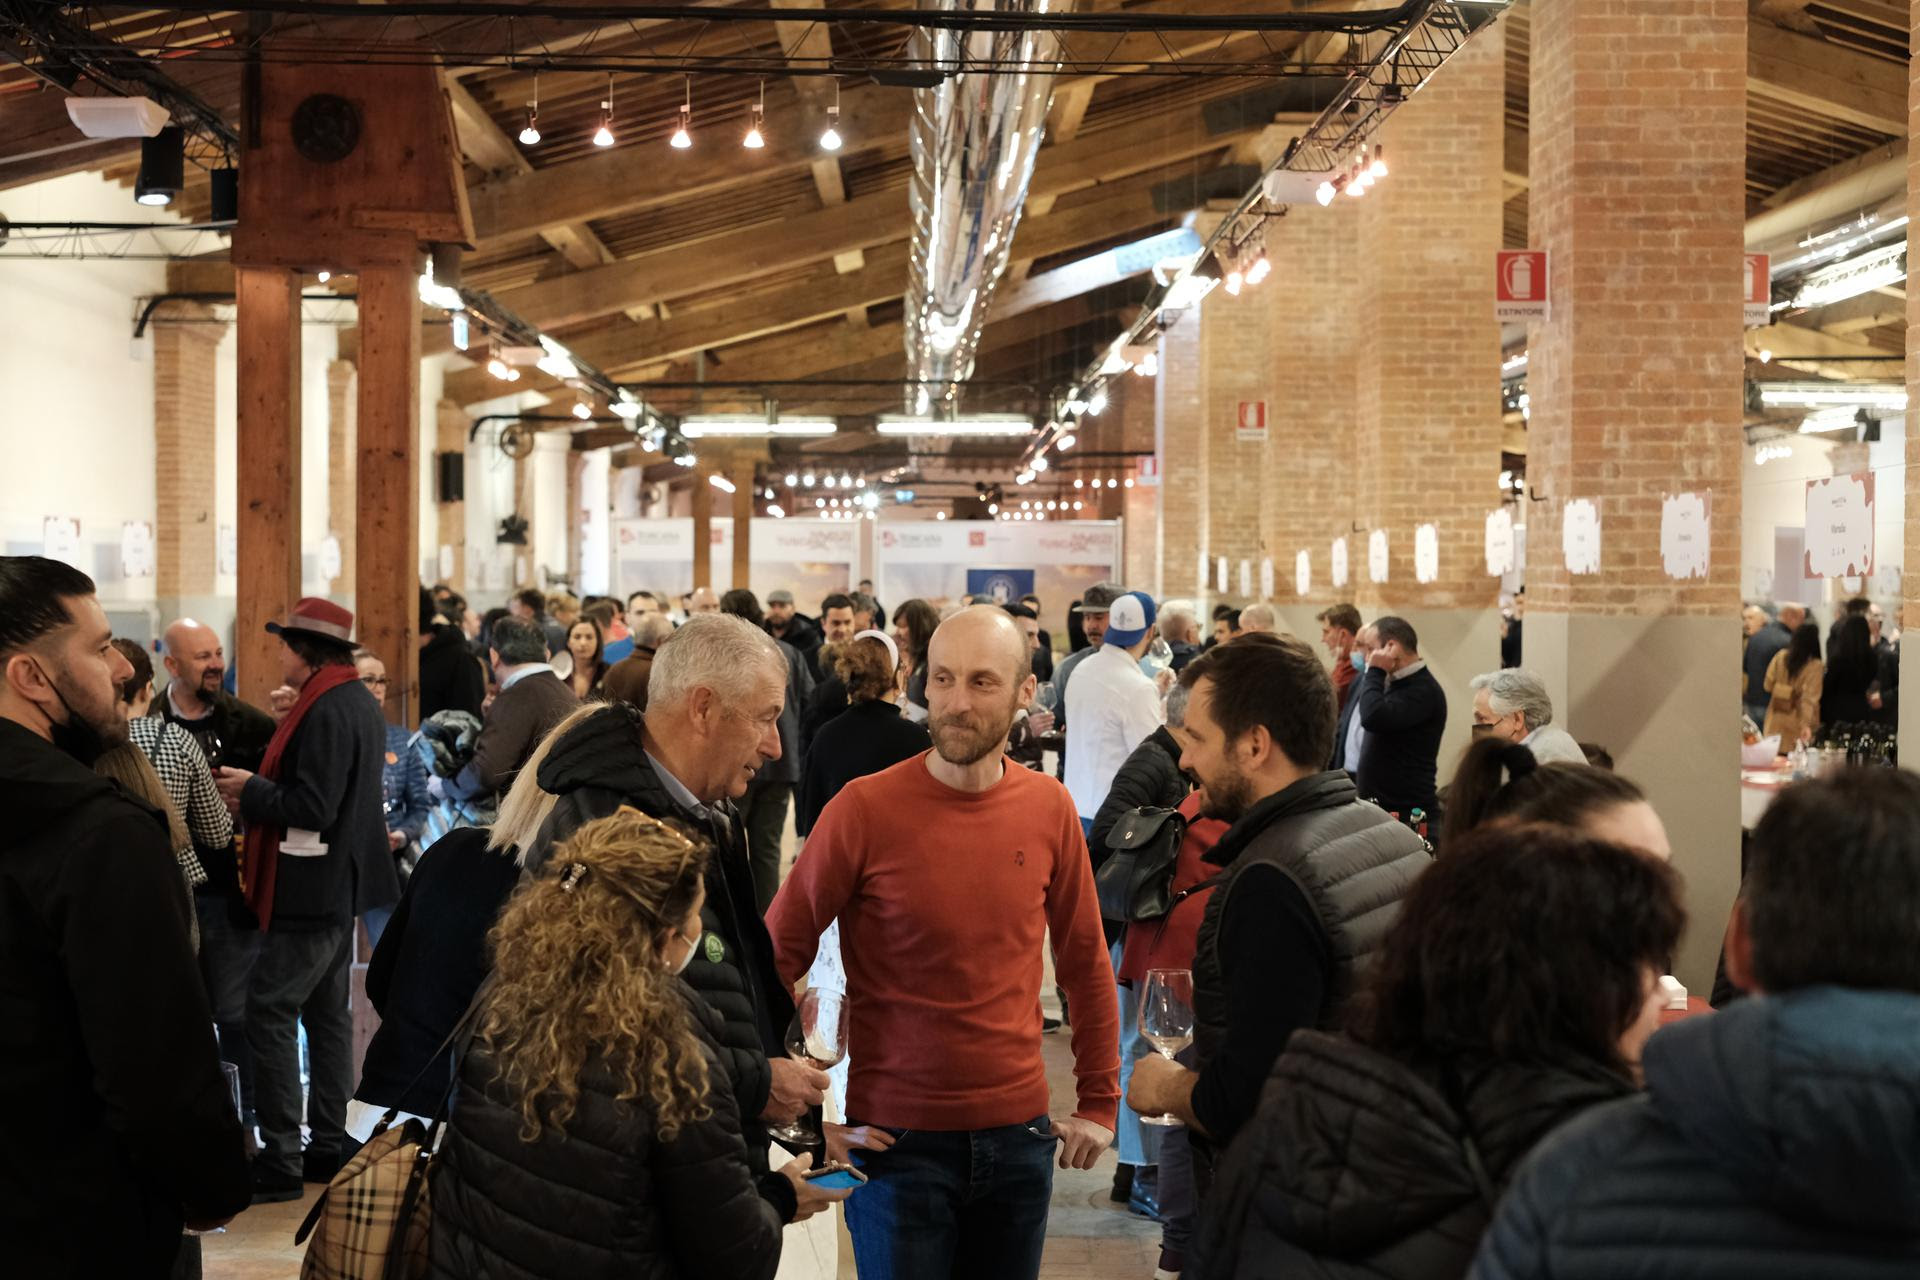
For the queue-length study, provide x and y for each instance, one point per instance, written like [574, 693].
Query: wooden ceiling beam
[1827, 79]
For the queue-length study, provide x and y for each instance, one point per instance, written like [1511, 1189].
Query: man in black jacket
[1403, 715]
[1311, 876]
[120, 1128]
[450, 677]
[316, 834]
[796, 629]
[713, 718]
[763, 809]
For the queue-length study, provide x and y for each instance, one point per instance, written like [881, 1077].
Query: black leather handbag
[1136, 880]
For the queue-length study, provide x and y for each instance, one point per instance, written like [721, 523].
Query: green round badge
[716, 950]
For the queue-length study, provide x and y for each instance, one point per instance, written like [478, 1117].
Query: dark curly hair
[1527, 943]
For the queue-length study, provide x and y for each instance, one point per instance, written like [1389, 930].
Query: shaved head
[195, 659]
[979, 675]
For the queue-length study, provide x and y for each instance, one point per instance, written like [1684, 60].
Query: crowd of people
[1792, 685]
[1426, 1032]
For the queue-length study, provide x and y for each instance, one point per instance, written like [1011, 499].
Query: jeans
[955, 1204]
[763, 812]
[301, 977]
[375, 918]
[1179, 1202]
[1135, 1143]
[227, 954]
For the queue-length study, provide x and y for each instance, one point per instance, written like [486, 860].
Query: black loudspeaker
[224, 187]
[453, 476]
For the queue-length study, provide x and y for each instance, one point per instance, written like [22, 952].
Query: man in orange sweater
[946, 873]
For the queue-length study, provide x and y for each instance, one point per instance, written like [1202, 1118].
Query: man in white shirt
[1112, 705]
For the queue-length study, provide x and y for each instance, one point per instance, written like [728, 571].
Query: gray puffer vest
[1350, 858]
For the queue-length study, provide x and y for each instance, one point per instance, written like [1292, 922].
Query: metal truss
[114, 241]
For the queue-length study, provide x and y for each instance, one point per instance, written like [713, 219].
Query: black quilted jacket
[597, 767]
[608, 1198]
[1354, 1165]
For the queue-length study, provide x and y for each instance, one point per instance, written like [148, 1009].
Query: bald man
[946, 873]
[702, 600]
[234, 734]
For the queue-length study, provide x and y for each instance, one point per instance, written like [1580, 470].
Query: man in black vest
[1310, 877]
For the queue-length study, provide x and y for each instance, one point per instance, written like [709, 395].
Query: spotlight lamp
[683, 135]
[530, 134]
[830, 140]
[603, 136]
[755, 140]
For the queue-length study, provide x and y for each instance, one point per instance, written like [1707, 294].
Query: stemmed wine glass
[817, 1037]
[1166, 1018]
[1046, 697]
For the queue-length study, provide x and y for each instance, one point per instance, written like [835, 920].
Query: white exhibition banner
[1266, 577]
[1426, 553]
[1500, 542]
[1840, 526]
[1580, 536]
[931, 559]
[1338, 568]
[1377, 556]
[1302, 573]
[60, 540]
[139, 558]
[1246, 577]
[1686, 520]
[805, 556]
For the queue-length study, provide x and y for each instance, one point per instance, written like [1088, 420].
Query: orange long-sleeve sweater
[944, 899]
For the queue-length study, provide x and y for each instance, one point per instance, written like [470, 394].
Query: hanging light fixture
[1260, 269]
[603, 136]
[830, 140]
[1325, 193]
[530, 135]
[754, 139]
[1379, 166]
[683, 136]
[582, 410]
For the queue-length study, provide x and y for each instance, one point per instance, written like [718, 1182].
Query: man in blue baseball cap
[1112, 705]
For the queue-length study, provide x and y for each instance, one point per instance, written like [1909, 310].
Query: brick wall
[1235, 347]
[1180, 403]
[183, 428]
[342, 460]
[1427, 421]
[1636, 157]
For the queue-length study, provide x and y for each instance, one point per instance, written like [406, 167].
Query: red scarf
[260, 857]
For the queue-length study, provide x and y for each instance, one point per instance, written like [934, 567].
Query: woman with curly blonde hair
[595, 1131]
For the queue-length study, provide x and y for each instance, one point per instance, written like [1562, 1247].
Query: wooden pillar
[387, 570]
[267, 321]
[451, 437]
[702, 530]
[743, 522]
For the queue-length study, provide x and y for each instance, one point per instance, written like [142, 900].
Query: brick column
[1310, 467]
[183, 430]
[450, 436]
[1636, 391]
[1180, 441]
[1233, 336]
[1132, 409]
[1427, 423]
[342, 452]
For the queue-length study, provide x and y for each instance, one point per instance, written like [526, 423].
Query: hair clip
[574, 874]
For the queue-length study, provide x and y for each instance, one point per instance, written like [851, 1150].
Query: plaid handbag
[371, 1222]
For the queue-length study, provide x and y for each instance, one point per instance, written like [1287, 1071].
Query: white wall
[78, 431]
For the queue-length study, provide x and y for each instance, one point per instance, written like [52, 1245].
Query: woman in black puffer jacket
[595, 1131]
[1514, 992]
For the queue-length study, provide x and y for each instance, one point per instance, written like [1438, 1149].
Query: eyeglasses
[375, 682]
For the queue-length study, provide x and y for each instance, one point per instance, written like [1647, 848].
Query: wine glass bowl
[817, 1037]
[1166, 1018]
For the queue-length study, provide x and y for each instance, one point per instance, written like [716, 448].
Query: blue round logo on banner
[1003, 588]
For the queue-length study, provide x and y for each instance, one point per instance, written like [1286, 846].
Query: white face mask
[693, 946]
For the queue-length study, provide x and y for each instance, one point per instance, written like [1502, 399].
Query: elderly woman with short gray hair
[1514, 704]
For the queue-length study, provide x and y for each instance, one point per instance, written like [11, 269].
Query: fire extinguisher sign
[1520, 285]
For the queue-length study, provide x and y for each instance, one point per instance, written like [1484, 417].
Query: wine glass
[1046, 697]
[1166, 1018]
[817, 1037]
[1160, 653]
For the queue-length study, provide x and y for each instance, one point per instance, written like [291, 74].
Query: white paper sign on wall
[1377, 556]
[1205, 571]
[330, 557]
[1580, 536]
[60, 539]
[227, 550]
[1686, 520]
[446, 562]
[1426, 553]
[1266, 577]
[1220, 575]
[1246, 577]
[1302, 573]
[1499, 542]
[1840, 526]
[138, 556]
[1338, 567]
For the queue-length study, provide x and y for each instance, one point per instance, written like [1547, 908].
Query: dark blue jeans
[955, 1204]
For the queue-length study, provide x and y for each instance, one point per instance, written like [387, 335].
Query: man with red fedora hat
[316, 855]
